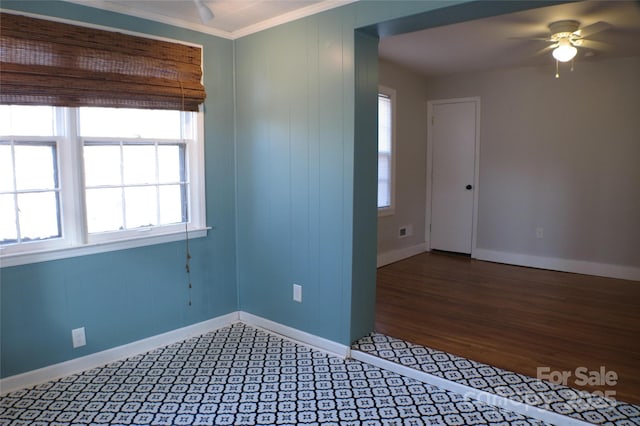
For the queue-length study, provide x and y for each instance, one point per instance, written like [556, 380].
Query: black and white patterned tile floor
[240, 375]
[508, 385]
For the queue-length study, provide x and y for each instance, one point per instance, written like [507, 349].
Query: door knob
[469, 187]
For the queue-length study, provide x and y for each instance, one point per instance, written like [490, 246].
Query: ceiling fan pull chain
[557, 73]
[572, 62]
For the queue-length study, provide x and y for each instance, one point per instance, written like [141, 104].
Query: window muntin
[75, 189]
[386, 135]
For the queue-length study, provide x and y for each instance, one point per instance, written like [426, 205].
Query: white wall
[411, 151]
[561, 154]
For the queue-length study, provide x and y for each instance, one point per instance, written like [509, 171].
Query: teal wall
[292, 200]
[294, 180]
[365, 205]
[124, 296]
[306, 162]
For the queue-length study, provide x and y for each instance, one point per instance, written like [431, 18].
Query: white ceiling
[487, 43]
[469, 46]
[233, 18]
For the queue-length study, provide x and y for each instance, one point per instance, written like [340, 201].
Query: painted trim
[77, 365]
[94, 248]
[476, 172]
[558, 264]
[469, 392]
[307, 339]
[400, 254]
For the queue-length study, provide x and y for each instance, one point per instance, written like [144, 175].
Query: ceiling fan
[567, 36]
[204, 11]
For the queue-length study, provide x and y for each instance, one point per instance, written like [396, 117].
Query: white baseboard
[305, 338]
[74, 366]
[558, 264]
[469, 392]
[400, 254]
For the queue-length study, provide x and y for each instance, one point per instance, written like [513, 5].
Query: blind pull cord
[187, 265]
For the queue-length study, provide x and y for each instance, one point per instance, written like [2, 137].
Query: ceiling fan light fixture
[565, 51]
[204, 11]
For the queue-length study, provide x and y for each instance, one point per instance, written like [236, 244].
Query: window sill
[388, 211]
[94, 248]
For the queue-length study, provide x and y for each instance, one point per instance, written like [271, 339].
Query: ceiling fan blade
[595, 45]
[545, 50]
[593, 29]
[529, 38]
[204, 11]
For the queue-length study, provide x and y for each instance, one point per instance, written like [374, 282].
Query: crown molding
[289, 17]
[230, 35]
[156, 17]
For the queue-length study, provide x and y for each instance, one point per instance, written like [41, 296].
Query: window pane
[8, 230]
[102, 165]
[383, 194]
[38, 215]
[384, 141]
[139, 164]
[5, 120]
[35, 166]
[18, 120]
[171, 208]
[6, 168]
[385, 146]
[384, 124]
[383, 167]
[169, 163]
[140, 206]
[130, 123]
[104, 209]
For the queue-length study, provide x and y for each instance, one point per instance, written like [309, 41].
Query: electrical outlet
[78, 337]
[539, 232]
[297, 293]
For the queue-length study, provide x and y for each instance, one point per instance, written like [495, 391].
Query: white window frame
[53, 242]
[391, 94]
[75, 241]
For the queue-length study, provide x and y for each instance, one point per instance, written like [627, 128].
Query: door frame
[476, 172]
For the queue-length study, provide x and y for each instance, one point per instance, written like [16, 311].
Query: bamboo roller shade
[51, 63]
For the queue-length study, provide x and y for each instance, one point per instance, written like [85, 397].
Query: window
[135, 176]
[29, 175]
[114, 159]
[73, 178]
[386, 150]
[29, 202]
[131, 185]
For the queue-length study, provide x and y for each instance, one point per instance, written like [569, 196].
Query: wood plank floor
[515, 318]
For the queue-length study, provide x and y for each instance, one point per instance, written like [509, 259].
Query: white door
[453, 174]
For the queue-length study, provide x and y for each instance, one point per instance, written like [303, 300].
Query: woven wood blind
[50, 63]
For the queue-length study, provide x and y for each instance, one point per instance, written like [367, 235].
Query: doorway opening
[449, 285]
